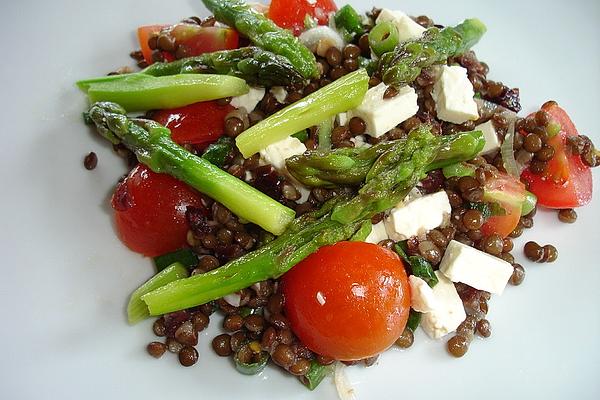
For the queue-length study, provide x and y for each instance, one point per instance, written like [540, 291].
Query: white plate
[65, 277]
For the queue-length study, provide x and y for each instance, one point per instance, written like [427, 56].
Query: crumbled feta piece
[453, 96]
[449, 311]
[304, 192]
[491, 137]
[407, 28]
[359, 141]
[462, 263]
[279, 93]
[249, 100]
[378, 233]
[276, 153]
[418, 216]
[319, 39]
[422, 298]
[381, 115]
[342, 118]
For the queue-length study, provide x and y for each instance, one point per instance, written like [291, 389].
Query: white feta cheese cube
[378, 233]
[422, 298]
[249, 100]
[449, 311]
[491, 137]
[418, 216]
[462, 263]
[453, 96]
[381, 115]
[320, 38]
[279, 93]
[276, 153]
[407, 28]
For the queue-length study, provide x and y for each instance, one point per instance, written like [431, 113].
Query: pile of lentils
[256, 324]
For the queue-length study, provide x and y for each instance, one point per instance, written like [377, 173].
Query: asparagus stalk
[349, 166]
[341, 95]
[264, 33]
[137, 92]
[136, 308]
[306, 234]
[254, 65]
[153, 146]
[402, 65]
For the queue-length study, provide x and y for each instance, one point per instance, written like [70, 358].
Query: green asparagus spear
[254, 65]
[138, 92]
[402, 65]
[264, 33]
[306, 234]
[339, 96]
[349, 166]
[153, 146]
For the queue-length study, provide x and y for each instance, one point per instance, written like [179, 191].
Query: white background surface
[65, 277]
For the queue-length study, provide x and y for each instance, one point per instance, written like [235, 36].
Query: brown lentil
[199, 321]
[568, 216]
[351, 51]
[283, 356]
[186, 334]
[546, 153]
[484, 328]
[324, 360]
[173, 345]
[533, 251]
[188, 356]
[350, 64]
[518, 275]
[538, 167]
[208, 263]
[493, 244]
[159, 328]
[333, 56]
[233, 126]
[430, 252]
[458, 346]
[156, 349]
[233, 322]
[363, 44]
[237, 340]
[518, 231]
[300, 367]
[337, 72]
[472, 219]
[406, 339]
[357, 126]
[532, 143]
[254, 323]
[507, 245]
[90, 161]
[550, 253]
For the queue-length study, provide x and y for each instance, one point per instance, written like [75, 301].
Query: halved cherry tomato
[290, 14]
[196, 39]
[509, 193]
[348, 301]
[199, 124]
[567, 182]
[150, 211]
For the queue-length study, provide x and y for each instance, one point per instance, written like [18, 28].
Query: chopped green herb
[185, 257]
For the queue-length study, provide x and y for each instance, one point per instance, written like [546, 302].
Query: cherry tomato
[150, 211]
[290, 14]
[509, 193]
[567, 182]
[348, 301]
[196, 39]
[199, 124]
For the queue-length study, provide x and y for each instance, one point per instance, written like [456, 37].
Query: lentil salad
[212, 235]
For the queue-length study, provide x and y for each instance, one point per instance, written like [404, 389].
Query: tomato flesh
[348, 301]
[150, 211]
[567, 182]
[509, 193]
[196, 39]
[198, 124]
[290, 14]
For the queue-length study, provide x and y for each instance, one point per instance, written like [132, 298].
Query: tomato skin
[510, 194]
[348, 301]
[196, 39]
[150, 211]
[290, 14]
[199, 124]
[568, 181]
